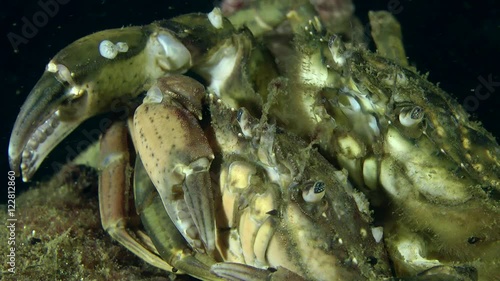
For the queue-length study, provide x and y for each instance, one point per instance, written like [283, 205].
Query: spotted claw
[177, 156]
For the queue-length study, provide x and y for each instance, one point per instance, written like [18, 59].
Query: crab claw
[38, 126]
[85, 79]
[177, 156]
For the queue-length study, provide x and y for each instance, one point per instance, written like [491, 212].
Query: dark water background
[457, 43]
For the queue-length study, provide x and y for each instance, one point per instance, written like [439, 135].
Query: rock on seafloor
[59, 235]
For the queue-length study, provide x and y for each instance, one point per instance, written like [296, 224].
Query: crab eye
[409, 117]
[314, 193]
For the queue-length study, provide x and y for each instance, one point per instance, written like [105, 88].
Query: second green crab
[296, 154]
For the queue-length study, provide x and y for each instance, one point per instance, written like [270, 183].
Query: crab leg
[114, 186]
[236, 271]
[386, 33]
[167, 239]
[177, 156]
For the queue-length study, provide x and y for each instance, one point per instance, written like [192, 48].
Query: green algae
[59, 235]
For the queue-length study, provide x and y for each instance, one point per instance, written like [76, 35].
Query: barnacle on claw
[109, 50]
[255, 165]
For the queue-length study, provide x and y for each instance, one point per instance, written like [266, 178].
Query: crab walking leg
[386, 33]
[171, 245]
[236, 271]
[177, 156]
[264, 16]
[114, 182]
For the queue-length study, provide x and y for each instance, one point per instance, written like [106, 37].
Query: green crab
[248, 188]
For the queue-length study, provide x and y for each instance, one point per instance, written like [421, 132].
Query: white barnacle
[314, 193]
[378, 233]
[121, 47]
[409, 117]
[63, 73]
[215, 18]
[107, 49]
[154, 95]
